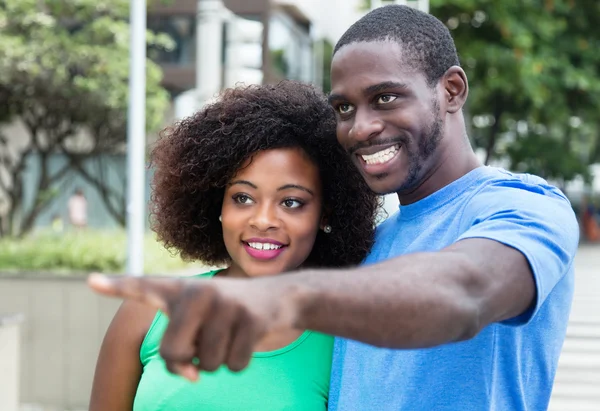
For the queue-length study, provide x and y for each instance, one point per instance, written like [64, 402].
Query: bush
[83, 252]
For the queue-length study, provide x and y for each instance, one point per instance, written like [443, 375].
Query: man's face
[388, 117]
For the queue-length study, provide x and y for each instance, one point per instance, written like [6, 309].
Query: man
[463, 302]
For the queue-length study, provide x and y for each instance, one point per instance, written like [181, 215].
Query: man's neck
[452, 163]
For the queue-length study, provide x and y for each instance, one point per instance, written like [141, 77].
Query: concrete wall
[9, 361]
[61, 336]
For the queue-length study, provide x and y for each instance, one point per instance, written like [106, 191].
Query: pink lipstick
[263, 248]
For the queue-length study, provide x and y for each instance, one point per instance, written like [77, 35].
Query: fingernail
[99, 280]
[190, 373]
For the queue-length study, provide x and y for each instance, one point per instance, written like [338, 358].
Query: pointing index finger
[152, 292]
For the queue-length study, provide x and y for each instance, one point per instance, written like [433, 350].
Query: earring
[327, 229]
[220, 219]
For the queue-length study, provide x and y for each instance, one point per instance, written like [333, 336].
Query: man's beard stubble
[426, 148]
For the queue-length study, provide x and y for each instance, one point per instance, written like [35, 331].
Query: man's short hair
[425, 40]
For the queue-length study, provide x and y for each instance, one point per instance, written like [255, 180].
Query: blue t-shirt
[507, 366]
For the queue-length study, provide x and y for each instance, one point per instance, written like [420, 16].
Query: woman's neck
[233, 272]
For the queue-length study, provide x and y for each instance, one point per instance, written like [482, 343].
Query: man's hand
[212, 321]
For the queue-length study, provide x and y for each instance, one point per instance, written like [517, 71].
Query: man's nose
[366, 125]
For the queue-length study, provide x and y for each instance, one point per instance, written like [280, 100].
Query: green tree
[534, 72]
[64, 68]
[327, 56]
[364, 5]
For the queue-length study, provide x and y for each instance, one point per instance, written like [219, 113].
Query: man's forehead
[364, 64]
[367, 49]
[375, 55]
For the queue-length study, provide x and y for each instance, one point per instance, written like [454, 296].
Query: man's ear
[456, 89]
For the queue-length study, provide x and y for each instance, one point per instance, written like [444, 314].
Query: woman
[255, 182]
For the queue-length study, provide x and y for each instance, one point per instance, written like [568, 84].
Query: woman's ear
[323, 223]
[324, 218]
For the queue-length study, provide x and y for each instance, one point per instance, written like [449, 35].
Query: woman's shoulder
[134, 319]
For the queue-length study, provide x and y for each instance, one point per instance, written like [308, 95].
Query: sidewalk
[577, 384]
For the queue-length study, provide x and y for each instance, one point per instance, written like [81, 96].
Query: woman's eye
[386, 99]
[242, 199]
[291, 203]
[345, 108]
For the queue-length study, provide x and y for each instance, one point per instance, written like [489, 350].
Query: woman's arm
[118, 369]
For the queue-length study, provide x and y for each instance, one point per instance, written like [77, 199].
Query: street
[577, 383]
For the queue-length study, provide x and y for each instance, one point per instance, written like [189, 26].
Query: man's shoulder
[511, 183]
[498, 174]
[507, 199]
[504, 197]
[499, 184]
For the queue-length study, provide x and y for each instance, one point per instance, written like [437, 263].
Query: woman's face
[271, 213]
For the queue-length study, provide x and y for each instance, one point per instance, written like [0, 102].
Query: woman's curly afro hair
[196, 158]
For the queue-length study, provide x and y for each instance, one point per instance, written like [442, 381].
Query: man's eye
[291, 203]
[345, 108]
[386, 99]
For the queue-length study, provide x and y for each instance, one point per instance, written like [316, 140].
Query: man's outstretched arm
[416, 300]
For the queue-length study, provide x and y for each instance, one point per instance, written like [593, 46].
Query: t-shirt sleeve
[534, 218]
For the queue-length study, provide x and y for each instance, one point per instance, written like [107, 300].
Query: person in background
[78, 209]
[589, 221]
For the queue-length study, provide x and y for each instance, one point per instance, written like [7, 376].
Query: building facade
[286, 43]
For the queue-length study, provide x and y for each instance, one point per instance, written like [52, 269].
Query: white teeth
[382, 156]
[264, 246]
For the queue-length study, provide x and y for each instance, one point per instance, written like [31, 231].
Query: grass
[86, 251]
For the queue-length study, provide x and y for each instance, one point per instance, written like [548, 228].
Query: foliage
[280, 65]
[64, 68]
[364, 5]
[84, 252]
[534, 72]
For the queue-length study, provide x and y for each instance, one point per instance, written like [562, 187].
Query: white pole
[424, 5]
[209, 44]
[136, 140]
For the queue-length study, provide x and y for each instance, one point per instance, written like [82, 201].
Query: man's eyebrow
[375, 88]
[297, 187]
[243, 182]
[386, 85]
[335, 97]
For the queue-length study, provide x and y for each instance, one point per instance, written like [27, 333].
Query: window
[290, 48]
[182, 29]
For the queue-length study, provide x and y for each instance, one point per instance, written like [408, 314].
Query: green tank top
[295, 377]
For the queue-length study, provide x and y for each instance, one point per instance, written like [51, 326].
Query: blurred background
[86, 86]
